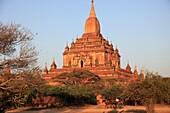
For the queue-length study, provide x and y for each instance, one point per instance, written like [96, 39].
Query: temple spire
[45, 69]
[92, 11]
[92, 24]
[53, 65]
[128, 68]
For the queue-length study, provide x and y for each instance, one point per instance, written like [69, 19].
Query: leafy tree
[71, 94]
[77, 77]
[83, 84]
[112, 93]
[149, 91]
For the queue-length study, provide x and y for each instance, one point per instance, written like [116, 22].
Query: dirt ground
[94, 109]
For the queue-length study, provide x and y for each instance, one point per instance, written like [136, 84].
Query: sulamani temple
[92, 52]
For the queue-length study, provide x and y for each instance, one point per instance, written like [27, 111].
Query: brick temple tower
[92, 49]
[92, 52]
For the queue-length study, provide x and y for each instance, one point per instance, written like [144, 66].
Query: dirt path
[94, 109]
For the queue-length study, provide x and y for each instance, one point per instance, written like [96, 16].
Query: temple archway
[81, 64]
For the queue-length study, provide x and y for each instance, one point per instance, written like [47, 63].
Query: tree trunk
[136, 103]
[150, 106]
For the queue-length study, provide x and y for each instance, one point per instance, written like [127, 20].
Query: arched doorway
[81, 63]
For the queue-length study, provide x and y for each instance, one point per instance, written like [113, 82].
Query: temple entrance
[81, 64]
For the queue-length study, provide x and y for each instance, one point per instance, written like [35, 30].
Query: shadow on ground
[135, 111]
[128, 111]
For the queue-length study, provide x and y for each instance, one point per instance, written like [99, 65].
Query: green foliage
[153, 89]
[79, 87]
[153, 86]
[113, 92]
[72, 94]
[51, 91]
[77, 77]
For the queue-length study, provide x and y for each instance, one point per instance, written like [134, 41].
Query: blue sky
[140, 28]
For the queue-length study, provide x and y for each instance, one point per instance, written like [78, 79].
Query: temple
[92, 52]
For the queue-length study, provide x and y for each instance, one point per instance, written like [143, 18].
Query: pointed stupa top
[116, 50]
[72, 41]
[111, 44]
[66, 48]
[53, 65]
[77, 37]
[92, 11]
[135, 71]
[45, 69]
[92, 24]
[128, 68]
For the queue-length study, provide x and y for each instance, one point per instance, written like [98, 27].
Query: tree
[77, 77]
[153, 89]
[113, 92]
[16, 48]
[15, 90]
[71, 94]
[18, 52]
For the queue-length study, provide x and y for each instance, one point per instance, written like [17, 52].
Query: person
[116, 102]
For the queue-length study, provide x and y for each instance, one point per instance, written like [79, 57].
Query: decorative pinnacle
[92, 11]
[53, 62]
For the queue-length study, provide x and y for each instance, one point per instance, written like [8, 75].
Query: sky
[139, 28]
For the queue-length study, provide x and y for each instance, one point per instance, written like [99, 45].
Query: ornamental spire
[53, 65]
[92, 11]
[45, 69]
[128, 68]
